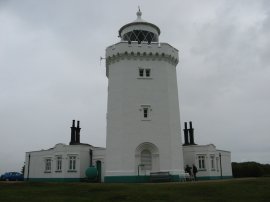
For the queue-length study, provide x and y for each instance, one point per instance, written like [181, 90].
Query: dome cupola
[139, 31]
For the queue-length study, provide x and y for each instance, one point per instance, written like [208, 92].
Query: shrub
[250, 169]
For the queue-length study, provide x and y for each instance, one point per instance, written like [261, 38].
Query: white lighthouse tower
[143, 122]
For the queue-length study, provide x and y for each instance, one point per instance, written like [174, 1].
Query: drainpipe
[91, 157]
[220, 166]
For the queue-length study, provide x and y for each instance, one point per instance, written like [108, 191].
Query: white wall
[226, 162]
[99, 155]
[192, 152]
[127, 92]
[37, 161]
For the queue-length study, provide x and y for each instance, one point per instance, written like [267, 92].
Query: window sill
[201, 169]
[147, 78]
[58, 171]
[47, 172]
[72, 171]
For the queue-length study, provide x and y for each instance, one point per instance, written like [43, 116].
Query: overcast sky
[50, 72]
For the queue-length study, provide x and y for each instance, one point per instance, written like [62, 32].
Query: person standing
[188, 170]
[194, 170]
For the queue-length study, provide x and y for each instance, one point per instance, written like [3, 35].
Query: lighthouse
[143, 120]
[143, 142]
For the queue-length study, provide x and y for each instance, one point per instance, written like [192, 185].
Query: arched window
[146, 160]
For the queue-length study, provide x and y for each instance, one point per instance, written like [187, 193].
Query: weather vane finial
[139, 13]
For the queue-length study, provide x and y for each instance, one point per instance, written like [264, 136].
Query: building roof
[139, 21]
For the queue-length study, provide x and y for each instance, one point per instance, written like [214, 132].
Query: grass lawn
[257, 189]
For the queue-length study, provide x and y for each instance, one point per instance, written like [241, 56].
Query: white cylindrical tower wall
[129, 94]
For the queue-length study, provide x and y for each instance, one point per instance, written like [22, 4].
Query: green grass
[228, 190]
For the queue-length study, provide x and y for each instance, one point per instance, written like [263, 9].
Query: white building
[143, 121]
[210, 162]
[69, 162]
[64, 162]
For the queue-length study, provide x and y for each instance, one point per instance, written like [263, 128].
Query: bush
[250, 169]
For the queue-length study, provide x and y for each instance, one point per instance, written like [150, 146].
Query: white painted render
[192, 152]
[80, 151]
[127, 92]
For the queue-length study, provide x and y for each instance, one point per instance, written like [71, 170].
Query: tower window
[141, 72]
[140, 35]
[145, 112]
[147, 72]
[144, 73]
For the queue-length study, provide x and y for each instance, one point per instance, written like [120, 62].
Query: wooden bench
[160, 177]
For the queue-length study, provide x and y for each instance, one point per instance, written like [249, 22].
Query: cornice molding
[141, 56]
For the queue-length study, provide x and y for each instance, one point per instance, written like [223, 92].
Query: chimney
[73, 133]
[186, 134]
[191, 133]
[78, 129]
[91, 157]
